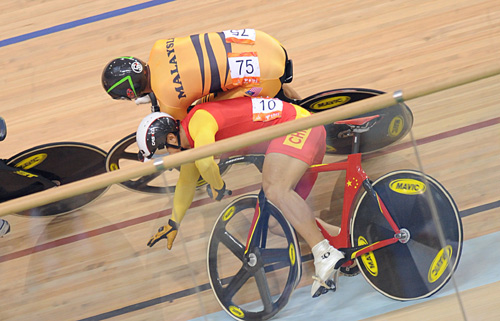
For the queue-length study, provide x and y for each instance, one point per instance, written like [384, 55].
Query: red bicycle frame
[355, 179]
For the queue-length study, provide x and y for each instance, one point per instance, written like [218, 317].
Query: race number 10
[266, 109]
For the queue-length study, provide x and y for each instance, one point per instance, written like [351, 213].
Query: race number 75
[244, 68]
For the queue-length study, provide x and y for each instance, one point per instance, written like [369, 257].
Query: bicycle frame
[355, 178]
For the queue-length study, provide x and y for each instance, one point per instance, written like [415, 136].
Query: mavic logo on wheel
[396, 126]
[439, 264]
[31, 161]
[407, 186]
[329, 102]
[368, 259]
[236, 311]
[291, 253]
[228, 214]
[25, 174]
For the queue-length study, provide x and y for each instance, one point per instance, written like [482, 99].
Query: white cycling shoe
[326, 258]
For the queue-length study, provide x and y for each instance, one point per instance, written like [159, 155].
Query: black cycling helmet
[152, 133]
[125, 78]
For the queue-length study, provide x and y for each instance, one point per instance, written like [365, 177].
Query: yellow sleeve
[184, 191]
[203, 128]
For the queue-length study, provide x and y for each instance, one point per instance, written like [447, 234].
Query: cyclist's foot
[4, 227]
[327, 260]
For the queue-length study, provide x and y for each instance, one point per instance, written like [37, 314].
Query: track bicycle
[403, 231]
[395, 122]
[48, 166]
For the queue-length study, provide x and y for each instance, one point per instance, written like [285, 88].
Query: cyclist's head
[152, 133]
[125, 78]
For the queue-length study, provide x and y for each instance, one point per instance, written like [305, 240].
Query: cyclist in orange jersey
[283, 181]
[208, 66]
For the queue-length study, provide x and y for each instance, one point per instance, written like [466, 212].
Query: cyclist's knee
[275, 194]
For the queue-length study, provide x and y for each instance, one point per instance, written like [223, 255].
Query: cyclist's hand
[168, 232]
[218, 194]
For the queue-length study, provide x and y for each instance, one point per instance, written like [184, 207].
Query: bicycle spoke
[236, 283]
[270, 256]
[234, 245]
[143, 181]
[265, 293]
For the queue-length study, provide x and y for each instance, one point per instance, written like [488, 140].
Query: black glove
[219, 193]
[167, 231]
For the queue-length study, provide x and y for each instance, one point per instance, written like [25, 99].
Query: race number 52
[240, 36]
[244, 68]
[266, 109]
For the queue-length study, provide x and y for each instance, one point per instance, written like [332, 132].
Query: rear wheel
[56, 164]
[395, 123]
[428, 216]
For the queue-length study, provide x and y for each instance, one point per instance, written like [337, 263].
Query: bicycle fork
[255, 233]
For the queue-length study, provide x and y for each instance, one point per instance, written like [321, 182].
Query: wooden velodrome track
[94, 263]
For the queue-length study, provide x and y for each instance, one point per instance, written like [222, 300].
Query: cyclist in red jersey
[283, 181]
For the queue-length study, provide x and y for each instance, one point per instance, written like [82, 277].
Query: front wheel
[426, 212]
[253, 284]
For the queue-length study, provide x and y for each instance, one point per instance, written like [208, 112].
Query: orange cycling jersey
[229, 64]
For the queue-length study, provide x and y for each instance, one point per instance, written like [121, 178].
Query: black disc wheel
[424, 260]
[48, 166]
[395, 123]
[253, 283]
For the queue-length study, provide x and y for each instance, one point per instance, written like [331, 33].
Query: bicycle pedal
[326, 286]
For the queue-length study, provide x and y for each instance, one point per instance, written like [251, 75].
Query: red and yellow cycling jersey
[229, 64]
[214, 121]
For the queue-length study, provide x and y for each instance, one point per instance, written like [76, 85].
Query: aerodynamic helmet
[125, 78]
[152, 133]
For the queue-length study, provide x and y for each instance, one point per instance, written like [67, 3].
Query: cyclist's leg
[281, 173]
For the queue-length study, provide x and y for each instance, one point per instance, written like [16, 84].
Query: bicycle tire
[422, 266]
[395, 123]
[61, 163]
[269, 283]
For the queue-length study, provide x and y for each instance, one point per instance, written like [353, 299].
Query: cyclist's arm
[202, 128]
[184, 191]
